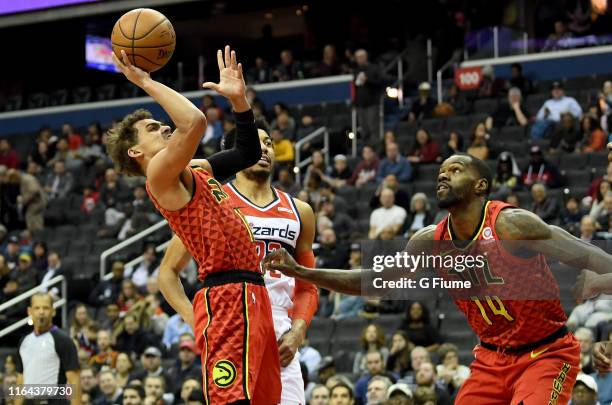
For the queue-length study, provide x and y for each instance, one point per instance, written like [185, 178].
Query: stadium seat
[81, 95]
[598, 159]
[345, 343]
[435, 125]
[427, 187]
[311, 109]
[405, 127]
[389, 324]
[344, 359]
[573, 161]
[58, 97]
[458, 123]
[350, 327]
[486, 106]
[38, 100]
[577, 177]
[337, 108]
[349, 193]
[512, 133]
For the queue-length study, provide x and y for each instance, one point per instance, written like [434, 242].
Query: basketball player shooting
[277, 220]
[526, 355]
[231, 314]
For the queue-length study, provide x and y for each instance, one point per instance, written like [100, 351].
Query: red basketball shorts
[543, 376]
[235, 333]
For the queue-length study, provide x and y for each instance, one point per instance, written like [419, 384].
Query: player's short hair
[229, 139]
[121, 137]
[342, 384]
[483, 169]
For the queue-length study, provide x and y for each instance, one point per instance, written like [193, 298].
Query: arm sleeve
[66, 351]
[245, 153]
[306, 297]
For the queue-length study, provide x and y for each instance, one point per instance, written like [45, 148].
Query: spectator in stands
[339, 173]
[74, 140]
[317, 166]
[365, 172]
[518, 80]
[423, 106]
[113, 190]
[420, 214]
[260, 72]
[585, 337]
[59, 183]
[398, 361]
[187, 386]
[123, 367]
[401, 197]
[331, 253]
[566, 136]
[107, 291]
[377, 390]
[508, 176]
[308, 125]
[42, 155]
[133, 395]
[451, 373]
[80, 323]
[343, 225]
[283, 109]
[90, 151]
[511, 113]
[394, 163]
[597, 207]
[457, 100]
[585, 390]
[155, 386]
[286, 182]
[147, 268]
[175, 327]
[590, 313]
[211, 140]
[89, 383]
[544, 206]
[375, 367]
[283, 148]
[479, 142]
[31, 198]
[341, 394]
[22, 279]
[588, 228]
[426, 377]
[571, 215]
[399, 394]
[8, 156]
[111, 393]
[151, 365]
[389, 217]
[558, 39]
[372, 340]
[12, 252]
[319, 395]
[594, 138]
[558, 104]
[329, 65]
[368, 90]
[417, 325]
[186, 366]
[288, 69]
[453, 145]
[424, 150]
[133, 340]
[105, 355]
[63, 152]
[39, 257]
[156, 318]
[36, 171]
[490, 86]
[112, 321]
[285, 125]
[540, 170]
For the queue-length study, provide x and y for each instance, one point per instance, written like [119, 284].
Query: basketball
[146, 36]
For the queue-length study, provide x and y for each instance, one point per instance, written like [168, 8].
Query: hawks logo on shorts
[224, 373]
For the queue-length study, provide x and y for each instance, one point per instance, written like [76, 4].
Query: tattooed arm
[344, 281]
[530, 232]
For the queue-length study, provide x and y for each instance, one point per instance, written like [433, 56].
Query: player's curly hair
[121, 137]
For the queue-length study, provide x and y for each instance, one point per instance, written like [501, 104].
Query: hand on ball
[133, 73]
[231, 80]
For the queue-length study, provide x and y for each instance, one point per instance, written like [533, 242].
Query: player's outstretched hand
[231, 81]
[133, 73]
[586, 286]
[281, 260]
[600, 358]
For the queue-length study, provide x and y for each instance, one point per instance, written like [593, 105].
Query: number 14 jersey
[274, 226]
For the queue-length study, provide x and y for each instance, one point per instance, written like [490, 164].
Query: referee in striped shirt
[48, 354]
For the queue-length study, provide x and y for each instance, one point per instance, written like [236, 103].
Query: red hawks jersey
[508, 323]
[216, 234]
[274, 226]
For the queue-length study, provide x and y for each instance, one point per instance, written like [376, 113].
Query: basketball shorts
[235, 333]
[545, 375]
[291, 376]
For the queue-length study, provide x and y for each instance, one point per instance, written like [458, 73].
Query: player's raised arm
[174, 261]
[344, 281]
[247, 149]
[190, 122]
[532, 233]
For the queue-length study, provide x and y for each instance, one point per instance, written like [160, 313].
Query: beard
[257, 174]
[450, 199]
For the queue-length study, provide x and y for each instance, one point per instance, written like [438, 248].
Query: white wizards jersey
[274, 226]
